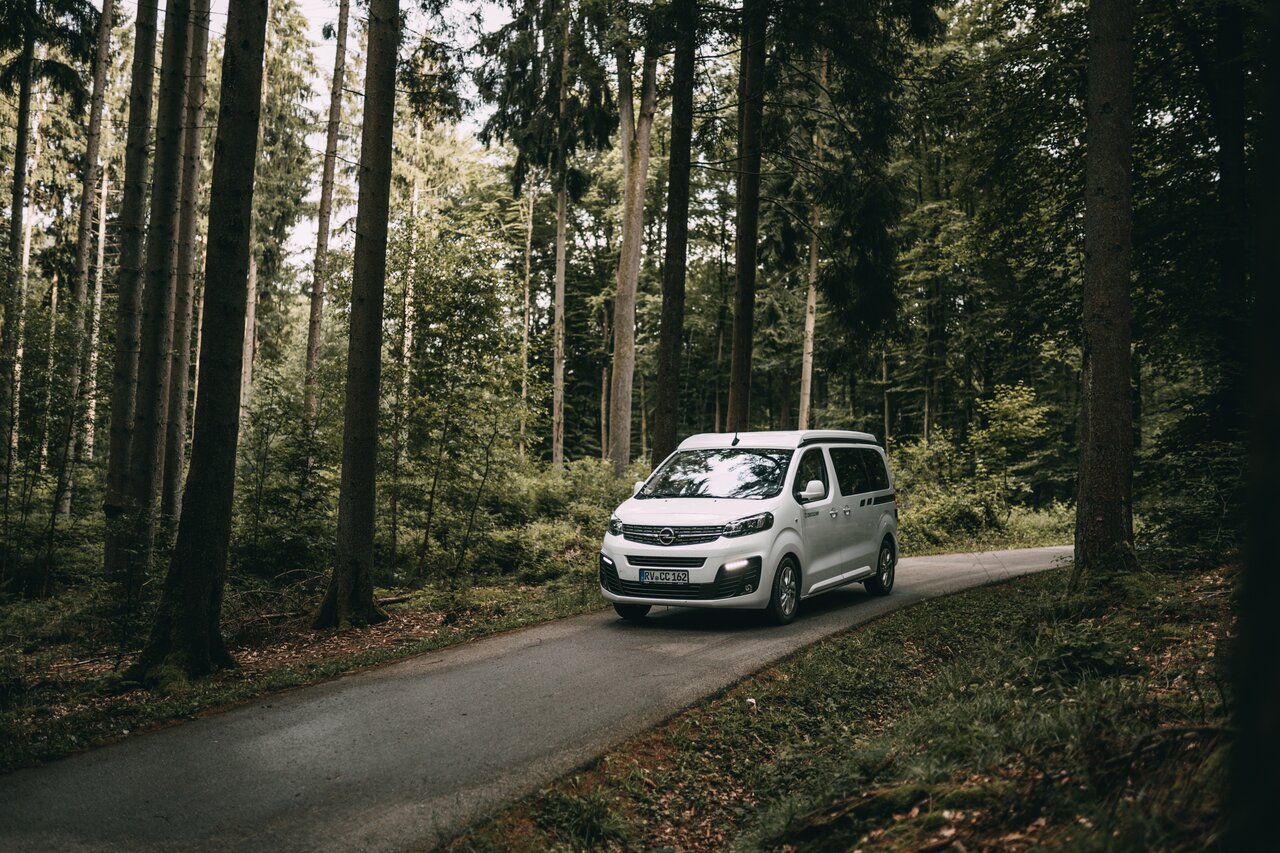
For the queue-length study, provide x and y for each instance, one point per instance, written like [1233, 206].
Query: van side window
[876, 472]
[812, 467]
[851, 473]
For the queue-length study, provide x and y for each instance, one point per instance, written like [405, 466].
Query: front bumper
[710, 583]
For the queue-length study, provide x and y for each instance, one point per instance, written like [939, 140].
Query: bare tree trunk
[349, 600]
[884, 380]
[250, 333]
[18, 202]
[325, 212]
[1104, 513]
[671, 333]
[95, 316]
[636, 129]
[80, 282]
[810, 321]
[186, 639]
[133, 217]
[751, 112]
[1255, 751]
[400, 436]
[524, 334]
[151, 414]
[20, 310]
[562, 215]
[175, 444]
[811, 296]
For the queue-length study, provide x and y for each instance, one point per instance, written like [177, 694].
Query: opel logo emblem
[666, 536]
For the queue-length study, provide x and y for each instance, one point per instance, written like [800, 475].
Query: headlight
[615, 526]
[748, 525]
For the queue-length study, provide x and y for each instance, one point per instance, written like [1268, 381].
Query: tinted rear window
[735, 472]
[877, 474]
[851, 474]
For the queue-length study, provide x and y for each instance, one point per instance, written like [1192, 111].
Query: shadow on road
[722, 621]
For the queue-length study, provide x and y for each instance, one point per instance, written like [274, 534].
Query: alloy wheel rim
[886, 566]
[788, 594]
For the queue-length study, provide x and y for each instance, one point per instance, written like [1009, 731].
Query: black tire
[785, 599]
[631, 612]
[881, 583]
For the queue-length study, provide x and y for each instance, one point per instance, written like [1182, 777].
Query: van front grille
[663, 562]
[651, 534]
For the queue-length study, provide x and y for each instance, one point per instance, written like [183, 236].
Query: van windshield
[735, 472]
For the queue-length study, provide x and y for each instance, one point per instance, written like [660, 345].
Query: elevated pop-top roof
[781, 438]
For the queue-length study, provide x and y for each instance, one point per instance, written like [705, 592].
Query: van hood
[690, 511]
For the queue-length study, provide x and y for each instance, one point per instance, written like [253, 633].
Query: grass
[1024, 528]
[1009, 717]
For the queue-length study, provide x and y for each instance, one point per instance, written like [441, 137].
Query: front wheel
[786, 592]
[881, 583]
[631, 612]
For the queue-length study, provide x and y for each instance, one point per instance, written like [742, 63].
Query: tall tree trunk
[95, 315]
[250, 332]
[133, 213]
[13, 287]
[175, 444]
[76, 319]
[1104, 514]
[349, 599]
[750, 114]
[325, 212]
[562, 216]
[400, 435]
[637, 128]
[524, 329]
[185, 637]
[1255, 751]
[811, 295]
[151, 415]
[810, 322]
[671, 333]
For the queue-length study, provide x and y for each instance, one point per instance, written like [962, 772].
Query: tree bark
[1104, 514]
[175, 444]
[349, 599]
[185, 638]
[671, 332]
[76, 319]
[750, 112]
[562, 216]
[811, 295]
[13, 287]
[524, 329]
[1255, 753]
[323, 217]
[133, 217]
[250, 332]
[95, 315]
[636, 130]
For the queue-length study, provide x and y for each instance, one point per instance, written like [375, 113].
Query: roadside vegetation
[1011, 716]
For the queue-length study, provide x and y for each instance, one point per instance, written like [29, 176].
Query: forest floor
[61, 690]
[1007, 717]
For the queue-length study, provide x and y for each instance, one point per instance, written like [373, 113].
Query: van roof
[781, 438]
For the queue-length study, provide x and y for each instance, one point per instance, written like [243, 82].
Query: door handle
[833, 513]
[846, 509]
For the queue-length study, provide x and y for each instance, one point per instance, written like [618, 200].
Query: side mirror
[813, 491]
[637, 487]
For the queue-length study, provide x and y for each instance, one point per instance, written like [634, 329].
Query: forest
[314, 309]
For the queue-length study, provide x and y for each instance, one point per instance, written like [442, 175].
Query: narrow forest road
[407, 755]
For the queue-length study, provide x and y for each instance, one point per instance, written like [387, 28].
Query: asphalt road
[407, 755]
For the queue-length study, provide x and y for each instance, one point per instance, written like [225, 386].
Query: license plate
[663, 576]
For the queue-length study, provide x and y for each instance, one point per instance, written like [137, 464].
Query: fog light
[736, 564]
[606, 559]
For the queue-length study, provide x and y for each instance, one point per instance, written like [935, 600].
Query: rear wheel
[786, 592]
[631, 612]
[881, 583]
